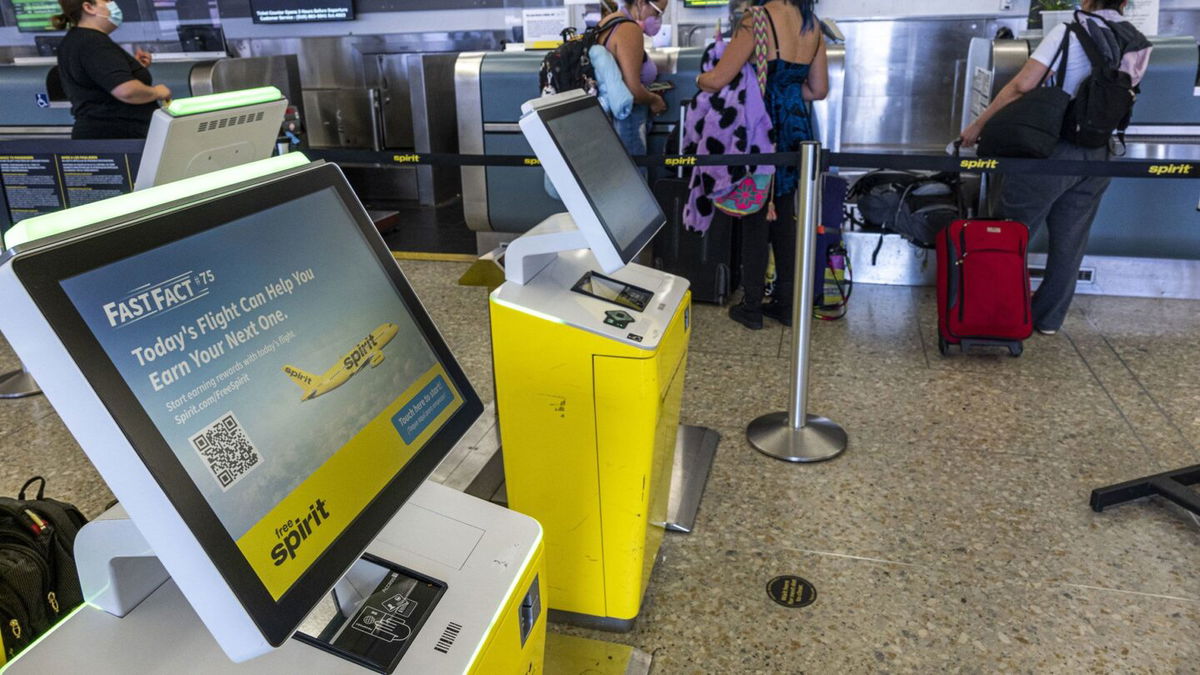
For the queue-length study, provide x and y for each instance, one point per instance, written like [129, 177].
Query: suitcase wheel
[1015, 349]
[943, 346]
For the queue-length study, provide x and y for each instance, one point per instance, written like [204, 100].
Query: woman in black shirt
[111, 92]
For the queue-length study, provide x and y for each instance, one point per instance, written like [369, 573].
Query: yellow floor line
[439, 257]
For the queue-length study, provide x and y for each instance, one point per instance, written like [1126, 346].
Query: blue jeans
[1067, 205]
[632, 130]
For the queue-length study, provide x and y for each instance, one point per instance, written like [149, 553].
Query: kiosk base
[18, 384]
[695, 449]
[489, 619]
[571, 654]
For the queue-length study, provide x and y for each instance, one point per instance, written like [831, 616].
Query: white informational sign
[981, 91]
[1144, 15]
[544, 25]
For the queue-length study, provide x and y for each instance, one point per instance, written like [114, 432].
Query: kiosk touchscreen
[259, 385]
[589, 352]
[191, 136]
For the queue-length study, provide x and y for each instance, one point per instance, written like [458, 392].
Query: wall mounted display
[33, 16]
[301, 11]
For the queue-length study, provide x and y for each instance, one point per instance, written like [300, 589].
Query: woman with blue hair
[797, 73]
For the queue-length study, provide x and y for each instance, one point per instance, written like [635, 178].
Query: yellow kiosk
[271, 520]
[589, 355]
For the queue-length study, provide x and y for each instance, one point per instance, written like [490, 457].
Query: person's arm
[1031, 76]
[737, 53]
[816, 87]
[134, 92]
[629, 51]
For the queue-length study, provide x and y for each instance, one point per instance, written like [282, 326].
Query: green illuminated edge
[41, 638]
[59, 222]
[223, 101]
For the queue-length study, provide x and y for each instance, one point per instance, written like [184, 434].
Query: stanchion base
[18, 384]
[818, 440]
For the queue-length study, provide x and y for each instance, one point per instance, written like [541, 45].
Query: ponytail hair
[807, 12]
[72, 12]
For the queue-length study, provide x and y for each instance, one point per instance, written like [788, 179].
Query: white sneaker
[1045, 331]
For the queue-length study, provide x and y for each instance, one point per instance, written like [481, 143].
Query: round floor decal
[791, 591]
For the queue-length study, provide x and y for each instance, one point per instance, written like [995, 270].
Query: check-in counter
[1143, 218]
[32, 102]
[490, 88]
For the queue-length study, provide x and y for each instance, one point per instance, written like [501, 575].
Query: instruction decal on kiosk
[189, 325]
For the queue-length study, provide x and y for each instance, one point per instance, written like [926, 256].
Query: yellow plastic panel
[600, 490]
[543, 375]
[637, 418]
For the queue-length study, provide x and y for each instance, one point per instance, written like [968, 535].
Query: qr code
[227, 450]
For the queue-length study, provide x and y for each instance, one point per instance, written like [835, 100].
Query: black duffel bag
[1030, 126]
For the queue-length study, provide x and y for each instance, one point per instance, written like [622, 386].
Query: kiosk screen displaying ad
[301, 11]
[281, 366]
[33, 16]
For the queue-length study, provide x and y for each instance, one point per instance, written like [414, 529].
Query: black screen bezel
[549, 113]
[41, 272]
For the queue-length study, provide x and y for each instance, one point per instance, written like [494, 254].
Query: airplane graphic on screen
[367, 351]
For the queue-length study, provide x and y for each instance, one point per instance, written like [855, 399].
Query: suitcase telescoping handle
[959, 199]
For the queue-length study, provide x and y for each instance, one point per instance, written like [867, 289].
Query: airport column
[795, 435]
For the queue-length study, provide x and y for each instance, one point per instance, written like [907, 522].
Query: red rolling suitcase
[983, 285]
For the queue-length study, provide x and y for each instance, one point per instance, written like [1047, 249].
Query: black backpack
[917, 206]
[39, 583]
[568, 66]
[1104, 102]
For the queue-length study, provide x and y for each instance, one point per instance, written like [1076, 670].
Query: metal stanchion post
[795, 435]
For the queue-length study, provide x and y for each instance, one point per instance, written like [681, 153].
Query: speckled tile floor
[953, 536]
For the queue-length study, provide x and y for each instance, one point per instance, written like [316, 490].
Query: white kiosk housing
[192, 136]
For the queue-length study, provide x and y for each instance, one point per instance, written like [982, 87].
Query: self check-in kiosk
[248, 369]
[191, 136]
[589, 354]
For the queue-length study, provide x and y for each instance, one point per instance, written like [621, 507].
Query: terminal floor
[953, 536]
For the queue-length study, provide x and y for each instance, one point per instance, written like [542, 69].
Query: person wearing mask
[621, 32]
[112, 94]
[1066, 204]
[797, 74]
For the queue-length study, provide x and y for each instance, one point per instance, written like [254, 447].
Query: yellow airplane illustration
[368, 350]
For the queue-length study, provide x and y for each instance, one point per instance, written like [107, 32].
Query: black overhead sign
[301, 11]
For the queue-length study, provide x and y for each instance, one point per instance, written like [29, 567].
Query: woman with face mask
[112, 94]
[621, 32]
